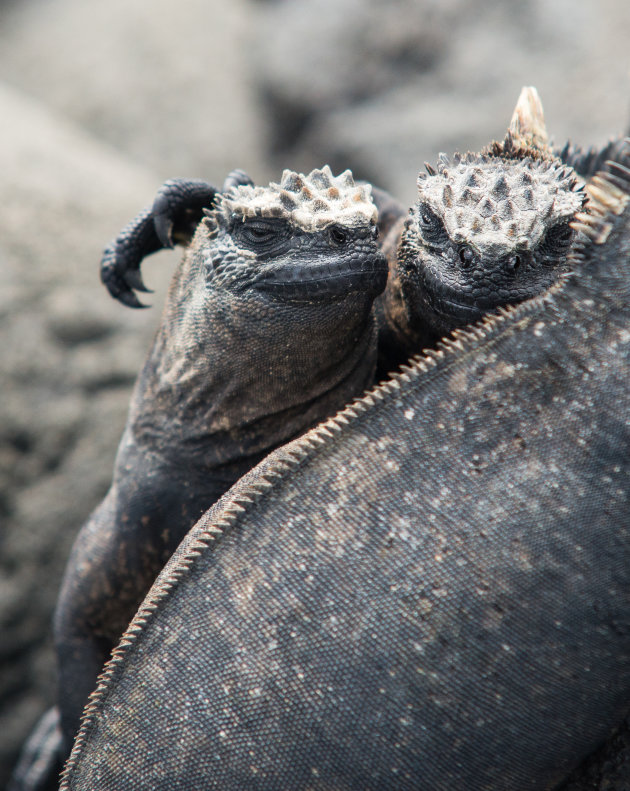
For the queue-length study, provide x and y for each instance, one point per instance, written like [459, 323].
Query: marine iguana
[430, 590]
[268, 329]
[488, 229]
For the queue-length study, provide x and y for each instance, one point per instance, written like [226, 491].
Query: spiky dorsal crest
[310, 202]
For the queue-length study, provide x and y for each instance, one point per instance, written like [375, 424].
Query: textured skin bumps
[487, 230]
[311, 202]
[268, 329]
[429, 591]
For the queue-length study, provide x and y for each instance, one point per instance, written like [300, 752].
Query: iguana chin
[268, 328]
[429, 591]
[488, 230]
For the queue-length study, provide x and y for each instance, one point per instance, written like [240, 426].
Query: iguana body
[429, 591]
[488, 230]
[267, 330]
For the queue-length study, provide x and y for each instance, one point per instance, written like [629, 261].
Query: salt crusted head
[310, 202]
[307, 238]
[498, 205]
[489, 229]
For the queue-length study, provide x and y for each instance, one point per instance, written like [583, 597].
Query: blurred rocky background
[101, 102]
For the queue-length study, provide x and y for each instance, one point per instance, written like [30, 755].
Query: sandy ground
[99, 103]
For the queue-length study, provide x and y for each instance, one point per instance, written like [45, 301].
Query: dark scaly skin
[173, 217]
[267, 330]
[430, 591]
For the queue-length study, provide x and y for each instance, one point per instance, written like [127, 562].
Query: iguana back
[429, 591]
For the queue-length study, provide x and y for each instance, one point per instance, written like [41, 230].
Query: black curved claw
[172, 219]
[236, 178]
[120, 264]
[178, 209]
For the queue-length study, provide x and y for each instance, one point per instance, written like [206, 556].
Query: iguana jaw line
[312, 283]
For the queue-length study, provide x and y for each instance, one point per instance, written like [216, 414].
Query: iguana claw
[133, 278]
[120, 264]
[172, 219]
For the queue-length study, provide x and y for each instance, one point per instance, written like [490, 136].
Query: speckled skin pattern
[488, 230]
[267, 330]
[429, 591]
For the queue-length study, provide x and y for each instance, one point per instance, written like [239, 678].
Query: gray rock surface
[166, 83]
[99, 103]
[69, 356]
[449, 74]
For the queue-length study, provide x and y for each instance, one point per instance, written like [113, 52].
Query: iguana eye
[261, 235]
[257, 232]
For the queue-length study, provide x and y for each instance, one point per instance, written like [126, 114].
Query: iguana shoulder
[428, 591]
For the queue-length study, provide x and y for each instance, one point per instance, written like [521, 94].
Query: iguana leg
[236, 178]
[172, 219]
[116, 557]
[178, 209]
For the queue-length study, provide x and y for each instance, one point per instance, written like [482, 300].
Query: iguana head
[488, 229]
[273, 297]
[307, 238]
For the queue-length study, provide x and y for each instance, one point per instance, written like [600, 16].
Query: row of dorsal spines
[310, 202]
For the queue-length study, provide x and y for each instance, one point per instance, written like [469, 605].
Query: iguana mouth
[310, 282]
[455, 304]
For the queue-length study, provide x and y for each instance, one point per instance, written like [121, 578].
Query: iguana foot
[172, 219]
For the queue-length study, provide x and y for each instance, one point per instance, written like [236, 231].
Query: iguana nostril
[513, 263]
[466, 256]
[338, 235]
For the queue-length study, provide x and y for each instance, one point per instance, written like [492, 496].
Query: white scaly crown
[310, 202]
